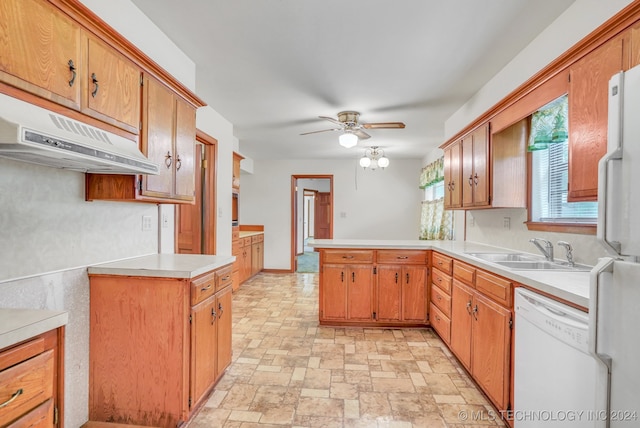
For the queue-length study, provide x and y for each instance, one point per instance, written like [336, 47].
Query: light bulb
[383, 162]
[348, 139]
[365, 162]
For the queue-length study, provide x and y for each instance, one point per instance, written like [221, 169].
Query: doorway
[311, 218]
[195, 225]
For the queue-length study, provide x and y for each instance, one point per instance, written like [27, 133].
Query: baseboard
[277, 271]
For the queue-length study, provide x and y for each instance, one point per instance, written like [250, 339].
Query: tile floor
[289, 371]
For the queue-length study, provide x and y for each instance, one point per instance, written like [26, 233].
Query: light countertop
[17, 325]
[163, 265]
[570, 286]
[247, 233]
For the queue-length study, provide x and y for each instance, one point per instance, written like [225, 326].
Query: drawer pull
[208, 287]
[94, 79]
[347, 257]
[13, 397]
[226, 278]
[439, 297]
[402, 257]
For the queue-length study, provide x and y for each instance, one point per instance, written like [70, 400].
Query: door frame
[294, 209]
[208, 204]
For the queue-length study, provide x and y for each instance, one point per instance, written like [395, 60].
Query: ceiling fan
[348, 123]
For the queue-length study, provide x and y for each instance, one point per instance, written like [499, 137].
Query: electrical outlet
[146, 222]
[165, 221]
[506, 222]
[472, 221]
[343, 214]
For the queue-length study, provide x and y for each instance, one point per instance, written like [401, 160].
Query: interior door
[322, 226]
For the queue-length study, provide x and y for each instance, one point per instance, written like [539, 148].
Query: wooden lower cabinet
[31, 387]
[348, 293]
[401, 292]
[157, 345]
[481, 339]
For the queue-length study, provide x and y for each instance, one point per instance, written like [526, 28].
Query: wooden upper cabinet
[475, 171]
[112, 87]
[588, 110]
[452, 174]
[235, 183]
[509, 166]
[40, 51]
[185, 139]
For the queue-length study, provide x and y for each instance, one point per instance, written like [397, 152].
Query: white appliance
[33, 134]
[614, 301]
[555, 375]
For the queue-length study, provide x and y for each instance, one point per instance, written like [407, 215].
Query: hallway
[288, 371]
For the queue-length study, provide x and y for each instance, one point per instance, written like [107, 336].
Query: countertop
[570, 286]
[247, 233]
[17, 325]
[163, 265]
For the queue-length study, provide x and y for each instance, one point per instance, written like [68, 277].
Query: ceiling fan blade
[383, 125]
[330, 119]
[323, 130]
[361, 134]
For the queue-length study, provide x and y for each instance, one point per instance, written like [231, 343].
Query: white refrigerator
[614, 304]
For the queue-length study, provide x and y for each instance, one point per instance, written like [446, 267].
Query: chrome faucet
[569, 250]
[547, 251]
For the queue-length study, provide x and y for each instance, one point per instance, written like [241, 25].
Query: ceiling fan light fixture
[365, 162]
[374, 158]
[383, 162]
[348, 139]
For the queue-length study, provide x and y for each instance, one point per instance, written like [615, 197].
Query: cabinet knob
[72, 69]
[94, 79]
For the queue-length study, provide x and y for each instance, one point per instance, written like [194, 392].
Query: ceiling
[271, 67]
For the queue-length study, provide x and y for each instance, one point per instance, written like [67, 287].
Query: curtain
[549, 124]
[435, 221]
[432, 173]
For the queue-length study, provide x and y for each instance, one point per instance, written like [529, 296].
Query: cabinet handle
[437, 318]
[220, 310]
[94, 79]
[208, 287]
[407, 277]
[470, 180]
[168, 160]
[72, 69]
[13, 397]
[402, 257]
[396, 277]
[475, 179]
[224, 278]
[347, 257]
[178, 163]
[353, 277]
[469, 307]
[453, 185]
[475, 312]
[439, 297]
[213, 315]
[342, 276]
[439, 279]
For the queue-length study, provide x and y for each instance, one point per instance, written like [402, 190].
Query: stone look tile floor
[289, 371]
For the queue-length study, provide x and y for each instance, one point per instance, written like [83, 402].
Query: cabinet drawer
[246, 242]
[441, 300]
[224, 277]
[40, 417]
[348, 256]
[257, 238]
[440, 324]
[464, 272]
[441, 280]
[402, 256]
[494, 287]
[203, 287]
[442, 262]
[235, 235]
[25, 386]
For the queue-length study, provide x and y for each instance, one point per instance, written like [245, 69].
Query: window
[435, 222]
[550, 169]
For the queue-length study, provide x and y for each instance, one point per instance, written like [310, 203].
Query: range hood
[33, 134]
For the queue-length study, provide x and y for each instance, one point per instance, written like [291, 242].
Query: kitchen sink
[503, 257]
[542, 265]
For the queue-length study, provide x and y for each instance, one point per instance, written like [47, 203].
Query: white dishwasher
[555, 376]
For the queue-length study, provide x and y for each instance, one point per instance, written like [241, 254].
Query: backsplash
[487, 227]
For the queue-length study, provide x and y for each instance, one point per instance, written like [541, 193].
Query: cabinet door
[157, 138]
[480, 166]
[588, 110]
[112, 86]
[256, 257]
[224, 311]
[467, 171]
[491, 345]
[203, 347]
[40, 51]
[461, 301]
[389, 292]
[334, 292]
[452, 173]
[185, 140]
[414, 293]
[360, 293]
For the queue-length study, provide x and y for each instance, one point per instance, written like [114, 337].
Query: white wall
[575, 23]
[381, 204]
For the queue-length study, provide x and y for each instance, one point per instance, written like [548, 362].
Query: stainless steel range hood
[33, 134]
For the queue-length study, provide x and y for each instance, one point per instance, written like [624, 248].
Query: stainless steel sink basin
[503, 257]
[542, 265]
